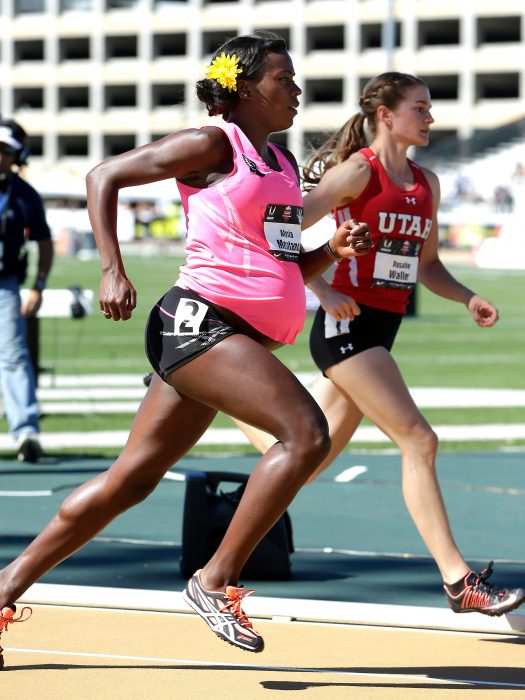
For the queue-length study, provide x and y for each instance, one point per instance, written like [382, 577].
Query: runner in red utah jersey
[361, 310]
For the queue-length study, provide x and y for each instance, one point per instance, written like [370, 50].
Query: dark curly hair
[251, 50]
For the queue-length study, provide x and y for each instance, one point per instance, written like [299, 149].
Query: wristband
[331, 253]
[40, 284]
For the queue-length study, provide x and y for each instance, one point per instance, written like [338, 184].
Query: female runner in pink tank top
[209, 337]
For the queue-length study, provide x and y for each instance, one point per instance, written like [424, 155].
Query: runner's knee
[422, 441]
[311, 441]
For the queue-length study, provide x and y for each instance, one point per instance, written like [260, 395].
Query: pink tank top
[243, 241]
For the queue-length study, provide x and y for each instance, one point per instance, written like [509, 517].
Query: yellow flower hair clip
[224, 70]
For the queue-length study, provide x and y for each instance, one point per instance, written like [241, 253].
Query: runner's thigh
[373, 380]
[166, 427]
[245, 380]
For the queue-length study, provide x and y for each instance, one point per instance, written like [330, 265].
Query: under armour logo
[410, 200]
[252, 166]
[344, 348]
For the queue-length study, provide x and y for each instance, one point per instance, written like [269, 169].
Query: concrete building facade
[92, 78]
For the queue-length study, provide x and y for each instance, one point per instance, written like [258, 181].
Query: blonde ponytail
[337, 148]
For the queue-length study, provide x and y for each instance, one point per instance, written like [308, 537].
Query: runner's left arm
[435, 276]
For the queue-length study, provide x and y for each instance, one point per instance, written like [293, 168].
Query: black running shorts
[333, 341]
[181, 326]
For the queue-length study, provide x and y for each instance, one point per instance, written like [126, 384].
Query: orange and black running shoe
[479, 596]
[224, 614]
[7, 617]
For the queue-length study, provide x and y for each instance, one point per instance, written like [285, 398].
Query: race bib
[189, 316]
[396, 263]
[333, 328]
[282, 228]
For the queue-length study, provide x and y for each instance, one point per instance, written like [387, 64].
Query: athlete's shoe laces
[480, 596]
[224, 614]
[7, 617]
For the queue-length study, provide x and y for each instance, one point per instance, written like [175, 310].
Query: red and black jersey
[399, 222]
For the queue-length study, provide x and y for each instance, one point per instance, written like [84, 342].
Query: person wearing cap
[22, 219]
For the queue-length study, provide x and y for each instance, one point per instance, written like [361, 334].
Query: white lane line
[304, 610]
[115, 391]
[91, 394]
[391, 555]
[39, 494]
[233, 436]
[25, 494]
[256, 667]
[169, 476]
[174, 476]
[425, 397]
[76, 380]
[350, 474]
[135, 541]
[80, 407]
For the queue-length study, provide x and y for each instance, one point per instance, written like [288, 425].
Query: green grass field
[439, 347]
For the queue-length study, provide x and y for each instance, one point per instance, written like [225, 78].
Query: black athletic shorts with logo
[181, 326]
[333, 341]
